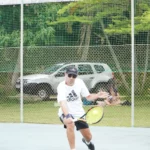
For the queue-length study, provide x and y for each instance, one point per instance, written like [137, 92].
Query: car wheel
[43, 93]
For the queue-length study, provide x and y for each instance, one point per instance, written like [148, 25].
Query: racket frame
[84, 120]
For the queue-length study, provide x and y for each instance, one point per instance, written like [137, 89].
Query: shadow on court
[15, 136]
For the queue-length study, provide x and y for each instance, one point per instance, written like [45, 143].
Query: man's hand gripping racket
[92, 116]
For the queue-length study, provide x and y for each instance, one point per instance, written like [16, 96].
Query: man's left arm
[95, 96]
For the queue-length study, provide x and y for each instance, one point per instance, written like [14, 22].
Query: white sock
[73, 149]
[87, 142]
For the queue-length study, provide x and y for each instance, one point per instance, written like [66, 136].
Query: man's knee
[70, 126]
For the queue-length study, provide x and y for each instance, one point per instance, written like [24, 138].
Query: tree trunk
[16, 72]
[82, 37]
[86, 43]
[116, 60]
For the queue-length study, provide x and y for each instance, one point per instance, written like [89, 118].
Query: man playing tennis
[69, 97]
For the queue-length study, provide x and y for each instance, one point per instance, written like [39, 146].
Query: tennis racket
[92, 116]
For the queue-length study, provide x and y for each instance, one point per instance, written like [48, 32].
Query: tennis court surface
[22, 136]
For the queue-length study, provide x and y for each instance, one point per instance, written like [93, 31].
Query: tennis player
[69, 96]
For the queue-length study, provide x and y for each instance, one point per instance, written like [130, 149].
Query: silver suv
[95, 75]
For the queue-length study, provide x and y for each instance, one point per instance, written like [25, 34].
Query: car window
[51, 69]
[61, 72]
[84, 69]
[99, 68]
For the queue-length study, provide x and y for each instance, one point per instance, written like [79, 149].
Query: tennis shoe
[90, 146]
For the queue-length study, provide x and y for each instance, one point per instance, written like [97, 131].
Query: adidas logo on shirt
[72, 96]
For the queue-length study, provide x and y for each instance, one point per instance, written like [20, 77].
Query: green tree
[36, 30]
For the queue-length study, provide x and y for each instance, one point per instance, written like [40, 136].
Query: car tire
[43, 93]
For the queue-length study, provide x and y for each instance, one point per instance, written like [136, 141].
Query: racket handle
[74, 120]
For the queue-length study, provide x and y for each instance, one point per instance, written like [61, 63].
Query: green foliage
[142, 23]
[71, 18]
[45, 24]
[119, 27]
[142, 20]
[36, 30]
[115, 16]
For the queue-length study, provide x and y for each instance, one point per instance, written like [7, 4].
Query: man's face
[70, 79]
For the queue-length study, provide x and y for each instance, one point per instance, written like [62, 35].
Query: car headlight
[25, 81]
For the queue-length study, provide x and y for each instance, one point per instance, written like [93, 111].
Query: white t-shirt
[72, 94]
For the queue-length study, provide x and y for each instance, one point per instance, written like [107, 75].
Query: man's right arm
[68, 117]
[61, 98]
[64, 108]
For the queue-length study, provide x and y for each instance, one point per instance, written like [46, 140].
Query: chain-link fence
[82, 32]
[40, 107]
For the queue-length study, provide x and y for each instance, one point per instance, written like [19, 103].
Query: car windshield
[52, 69]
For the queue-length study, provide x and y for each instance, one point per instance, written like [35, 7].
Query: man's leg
[71, 135]
[87, 138]
[69, 131]
[86, 134]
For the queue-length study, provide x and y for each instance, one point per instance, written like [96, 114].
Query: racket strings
[94, 115]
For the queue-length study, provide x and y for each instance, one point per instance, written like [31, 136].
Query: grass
[44, 112]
